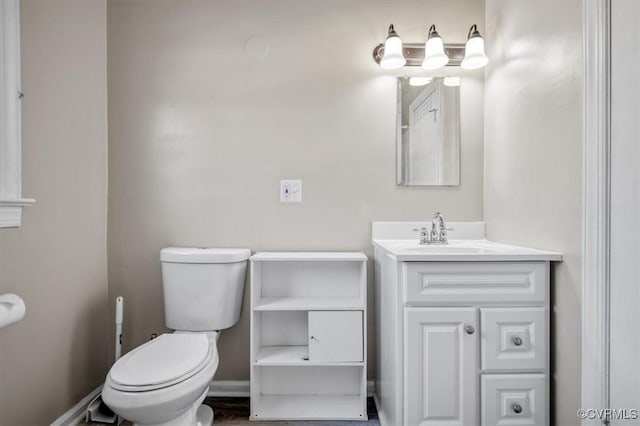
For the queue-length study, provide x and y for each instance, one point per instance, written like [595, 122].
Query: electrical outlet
[290, 191]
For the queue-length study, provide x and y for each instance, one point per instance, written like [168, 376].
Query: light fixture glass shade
[420, 81]
[474, 56]
[434, 56]
[393, 57]
[451, 81]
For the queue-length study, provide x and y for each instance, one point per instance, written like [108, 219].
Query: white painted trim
[10, 116]
[11, 212]
[381, 414]
[596, 218]
[9, 100]
[76, 413]
[18, 202]
[229, 388]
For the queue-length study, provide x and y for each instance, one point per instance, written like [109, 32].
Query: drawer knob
[517, 408]
[469, 329]
[517, 341]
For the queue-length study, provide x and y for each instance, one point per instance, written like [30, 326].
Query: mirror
[428, 133]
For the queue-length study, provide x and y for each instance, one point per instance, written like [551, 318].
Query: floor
[235, 411]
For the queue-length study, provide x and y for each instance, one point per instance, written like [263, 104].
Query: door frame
[596, 205]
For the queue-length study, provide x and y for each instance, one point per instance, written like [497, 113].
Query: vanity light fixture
[450, 81]
[474, 56]
[420, 81]
[434, 56]
[392, 57]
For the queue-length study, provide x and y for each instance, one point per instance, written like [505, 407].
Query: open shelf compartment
[299, 338]
[309, 407]
[308, 285]
[312, 393]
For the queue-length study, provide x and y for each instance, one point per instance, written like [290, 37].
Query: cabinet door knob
[517, 341]
[469, 329]
[517, 408]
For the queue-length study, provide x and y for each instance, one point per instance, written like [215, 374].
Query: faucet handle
[424, 234]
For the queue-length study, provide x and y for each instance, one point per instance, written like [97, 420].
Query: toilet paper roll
[12, 309]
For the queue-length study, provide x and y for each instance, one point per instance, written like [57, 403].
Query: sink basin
[445, 249]
[460, 247]
[463, 250]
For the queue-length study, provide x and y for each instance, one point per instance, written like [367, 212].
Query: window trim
[11, 201]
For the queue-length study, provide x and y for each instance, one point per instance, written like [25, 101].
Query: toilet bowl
[164, 381]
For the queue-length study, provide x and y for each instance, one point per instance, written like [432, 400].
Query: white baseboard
[371, 388]
[242, 387]
[76, 413]
[381, 415]
[229, 388]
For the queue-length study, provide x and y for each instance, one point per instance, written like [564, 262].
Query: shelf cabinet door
[335, 336]
[441, 364]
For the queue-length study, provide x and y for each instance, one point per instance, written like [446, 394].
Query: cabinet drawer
[513, 339]
[474, 282]
[335, 336]
[514, 399]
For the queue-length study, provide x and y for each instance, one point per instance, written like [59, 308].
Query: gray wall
[57, 260]
[533, 158]
[200, 134]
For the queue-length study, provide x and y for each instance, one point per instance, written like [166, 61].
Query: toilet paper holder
[12, 309]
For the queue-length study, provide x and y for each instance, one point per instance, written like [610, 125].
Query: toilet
[164, 381]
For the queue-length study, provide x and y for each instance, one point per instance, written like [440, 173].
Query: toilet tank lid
[203, 255]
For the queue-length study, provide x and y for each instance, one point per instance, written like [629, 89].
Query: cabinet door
[441, 366]
[335, 336]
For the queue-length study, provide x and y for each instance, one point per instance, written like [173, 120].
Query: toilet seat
[165, 361]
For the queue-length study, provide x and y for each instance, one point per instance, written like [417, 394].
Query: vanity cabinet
[462, 343]
[308, 336]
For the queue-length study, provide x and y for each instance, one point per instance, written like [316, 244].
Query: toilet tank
[203, 287]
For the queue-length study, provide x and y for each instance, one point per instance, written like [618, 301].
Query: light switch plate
[290, 191]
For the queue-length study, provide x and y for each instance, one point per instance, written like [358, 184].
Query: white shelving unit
[308, 336]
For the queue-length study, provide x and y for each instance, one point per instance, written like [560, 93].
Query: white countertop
[467, 250]
[308, 256]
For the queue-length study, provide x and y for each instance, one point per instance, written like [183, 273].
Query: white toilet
[164, 381]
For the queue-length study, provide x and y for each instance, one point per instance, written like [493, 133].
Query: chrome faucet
[438, 234]
[437, 225]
